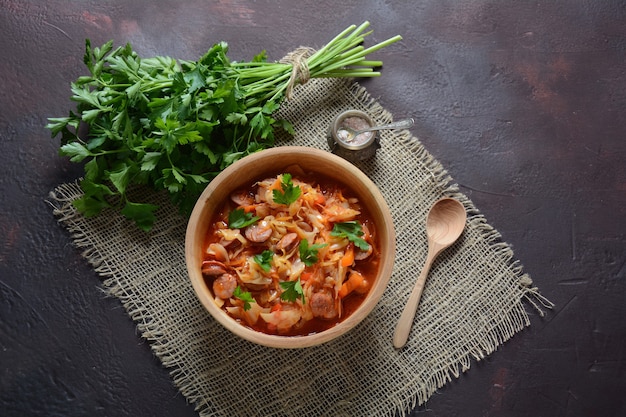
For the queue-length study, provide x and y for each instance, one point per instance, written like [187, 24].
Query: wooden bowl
[272, 162]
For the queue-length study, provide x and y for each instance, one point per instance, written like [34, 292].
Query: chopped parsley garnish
[352, 231]
[289, 193]
[292, 291]
[238, 219]
[244, 296]
[264, 260]
[308, 254]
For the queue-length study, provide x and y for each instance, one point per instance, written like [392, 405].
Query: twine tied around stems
[300, 69]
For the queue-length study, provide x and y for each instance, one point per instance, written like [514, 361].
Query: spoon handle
[401, 333]
[400, 124]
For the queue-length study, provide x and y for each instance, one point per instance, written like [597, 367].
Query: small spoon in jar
[444, 224]
[347, 134]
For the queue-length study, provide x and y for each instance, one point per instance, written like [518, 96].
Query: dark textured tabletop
[523, 102]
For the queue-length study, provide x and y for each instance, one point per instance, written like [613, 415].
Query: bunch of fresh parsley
[174, 124]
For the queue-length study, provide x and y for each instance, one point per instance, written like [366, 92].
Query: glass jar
[357, 148]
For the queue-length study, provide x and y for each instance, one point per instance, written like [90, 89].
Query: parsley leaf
[76, 151]
[244, 296]
[141, 213]
[289, 194]
[308, 254]
[292, 291]
[352, 231]
[264, 259]
[238, 219]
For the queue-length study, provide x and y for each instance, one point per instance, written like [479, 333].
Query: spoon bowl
[444, 224]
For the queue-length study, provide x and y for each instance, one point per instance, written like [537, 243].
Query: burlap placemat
[474, 299]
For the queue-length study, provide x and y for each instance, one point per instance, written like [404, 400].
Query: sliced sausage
[242, 198]
[259, 232]
[213, 268]
[224, 286]
[287, 242]
[323, 305]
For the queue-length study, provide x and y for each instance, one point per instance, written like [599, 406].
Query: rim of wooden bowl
[271, 162]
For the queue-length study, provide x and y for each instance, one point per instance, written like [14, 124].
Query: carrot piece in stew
[354, 281]
[348, 257]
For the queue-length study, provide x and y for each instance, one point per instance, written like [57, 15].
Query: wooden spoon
[444, 224]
